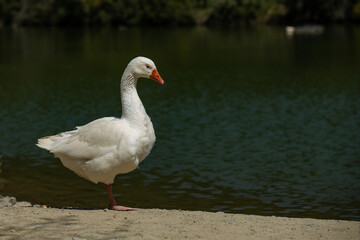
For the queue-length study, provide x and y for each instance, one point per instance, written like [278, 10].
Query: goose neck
[132, 106]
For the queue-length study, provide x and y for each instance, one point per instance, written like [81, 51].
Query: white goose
[108, 146]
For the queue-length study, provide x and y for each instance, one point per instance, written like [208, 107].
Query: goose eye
[147, 66]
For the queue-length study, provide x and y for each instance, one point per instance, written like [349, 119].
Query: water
[248, 121]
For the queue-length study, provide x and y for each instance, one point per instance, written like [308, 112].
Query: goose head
[142, 67]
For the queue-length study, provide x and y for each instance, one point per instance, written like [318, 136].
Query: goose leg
[112, 203]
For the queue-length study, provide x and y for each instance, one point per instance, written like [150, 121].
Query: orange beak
[156, 76]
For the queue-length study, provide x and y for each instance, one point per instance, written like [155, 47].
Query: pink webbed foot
[121, 208]
[112, 203]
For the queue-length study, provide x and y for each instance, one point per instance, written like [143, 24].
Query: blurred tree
[246, 11]
[228, 12]
[21, 15]
[356, 11]
[126, 12]
[164, 12]
[68, 12]
[8, 11]
[318, 11]
[175, 12]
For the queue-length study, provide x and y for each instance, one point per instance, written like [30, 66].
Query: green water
[248, 121]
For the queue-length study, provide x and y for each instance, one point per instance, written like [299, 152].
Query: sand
[21, 221]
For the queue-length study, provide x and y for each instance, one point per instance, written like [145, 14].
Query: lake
[248, 121]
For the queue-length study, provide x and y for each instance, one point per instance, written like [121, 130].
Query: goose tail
[46, 142]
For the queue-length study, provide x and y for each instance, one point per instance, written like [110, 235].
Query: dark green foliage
[175, 12]
[164, 12]
[227, 12]
[8, 10]
[302, 11]
[285, 11]
[68, 12]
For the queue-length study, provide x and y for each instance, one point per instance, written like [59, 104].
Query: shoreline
[24, 221]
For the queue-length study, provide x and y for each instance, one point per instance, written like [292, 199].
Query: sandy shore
[50, 223]
[20, 221]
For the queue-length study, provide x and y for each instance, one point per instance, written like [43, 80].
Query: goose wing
[90, 141]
